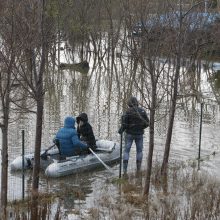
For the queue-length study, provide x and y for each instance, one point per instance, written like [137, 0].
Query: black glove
[120, 131]
[56, 141]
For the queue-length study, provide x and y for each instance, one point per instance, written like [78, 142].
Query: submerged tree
[8, 88]
[167, 40]
[192, 38]
[36, 35]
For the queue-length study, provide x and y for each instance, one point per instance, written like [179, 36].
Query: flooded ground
[99, 95]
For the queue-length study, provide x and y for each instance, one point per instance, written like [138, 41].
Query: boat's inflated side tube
[17, 164]
[52, 170]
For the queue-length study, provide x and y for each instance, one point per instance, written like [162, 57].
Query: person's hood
[133, 102]
[83, 117]
[69, 122]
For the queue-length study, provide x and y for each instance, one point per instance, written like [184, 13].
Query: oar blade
[104, 164]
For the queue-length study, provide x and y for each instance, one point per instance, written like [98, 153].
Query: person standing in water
[134, 121]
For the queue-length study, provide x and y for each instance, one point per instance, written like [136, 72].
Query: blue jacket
[69, 142]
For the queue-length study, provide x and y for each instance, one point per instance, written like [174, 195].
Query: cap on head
[133, 102]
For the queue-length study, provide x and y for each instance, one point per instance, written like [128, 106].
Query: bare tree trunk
[4, 152]
[40, 107]
[151, 141]
[36, 168]
[172, 115]
[39, 95]
[5, 98]
[4, 171]
[6, 60]
[174, 98]
[171, 119]
[168, 137]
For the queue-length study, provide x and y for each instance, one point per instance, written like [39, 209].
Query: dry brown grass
[185, 194]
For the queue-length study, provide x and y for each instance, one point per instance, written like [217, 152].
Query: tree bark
[39, 96]
[5, 99]
[171, 119]
[174, 97]
[151, 141]
[4, 152]
[36, 168]
[4, 171]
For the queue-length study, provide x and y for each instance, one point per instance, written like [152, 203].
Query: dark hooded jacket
[85, 131]
[135, 119]
[69, 143]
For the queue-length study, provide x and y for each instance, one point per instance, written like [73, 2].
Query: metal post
[23, 177]
[200, 135]
[120, 155]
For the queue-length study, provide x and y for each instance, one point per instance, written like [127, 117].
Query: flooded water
[99, 94]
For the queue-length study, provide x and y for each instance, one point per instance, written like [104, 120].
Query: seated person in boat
[68, 140]
[85, 131]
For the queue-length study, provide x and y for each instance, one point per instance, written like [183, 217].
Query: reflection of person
[85, 131]
[134, 121]
[69, 143]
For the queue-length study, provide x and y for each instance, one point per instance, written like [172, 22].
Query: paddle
[44, 155]
[105, 165]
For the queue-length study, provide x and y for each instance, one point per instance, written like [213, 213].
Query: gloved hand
[120, 131]
[56, 141]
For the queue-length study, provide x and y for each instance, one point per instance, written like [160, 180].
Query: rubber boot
[138, 172]
[125, 166]
[138, 162]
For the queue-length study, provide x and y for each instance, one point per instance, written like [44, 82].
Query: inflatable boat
[107, 152]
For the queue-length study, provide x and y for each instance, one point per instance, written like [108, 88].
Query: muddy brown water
[104, 111]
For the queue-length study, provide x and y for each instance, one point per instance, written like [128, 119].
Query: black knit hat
[83, 117]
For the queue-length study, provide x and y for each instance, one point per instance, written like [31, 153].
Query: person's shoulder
[61, 129]
[74, 131]
[88, 125]
[141, 110]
